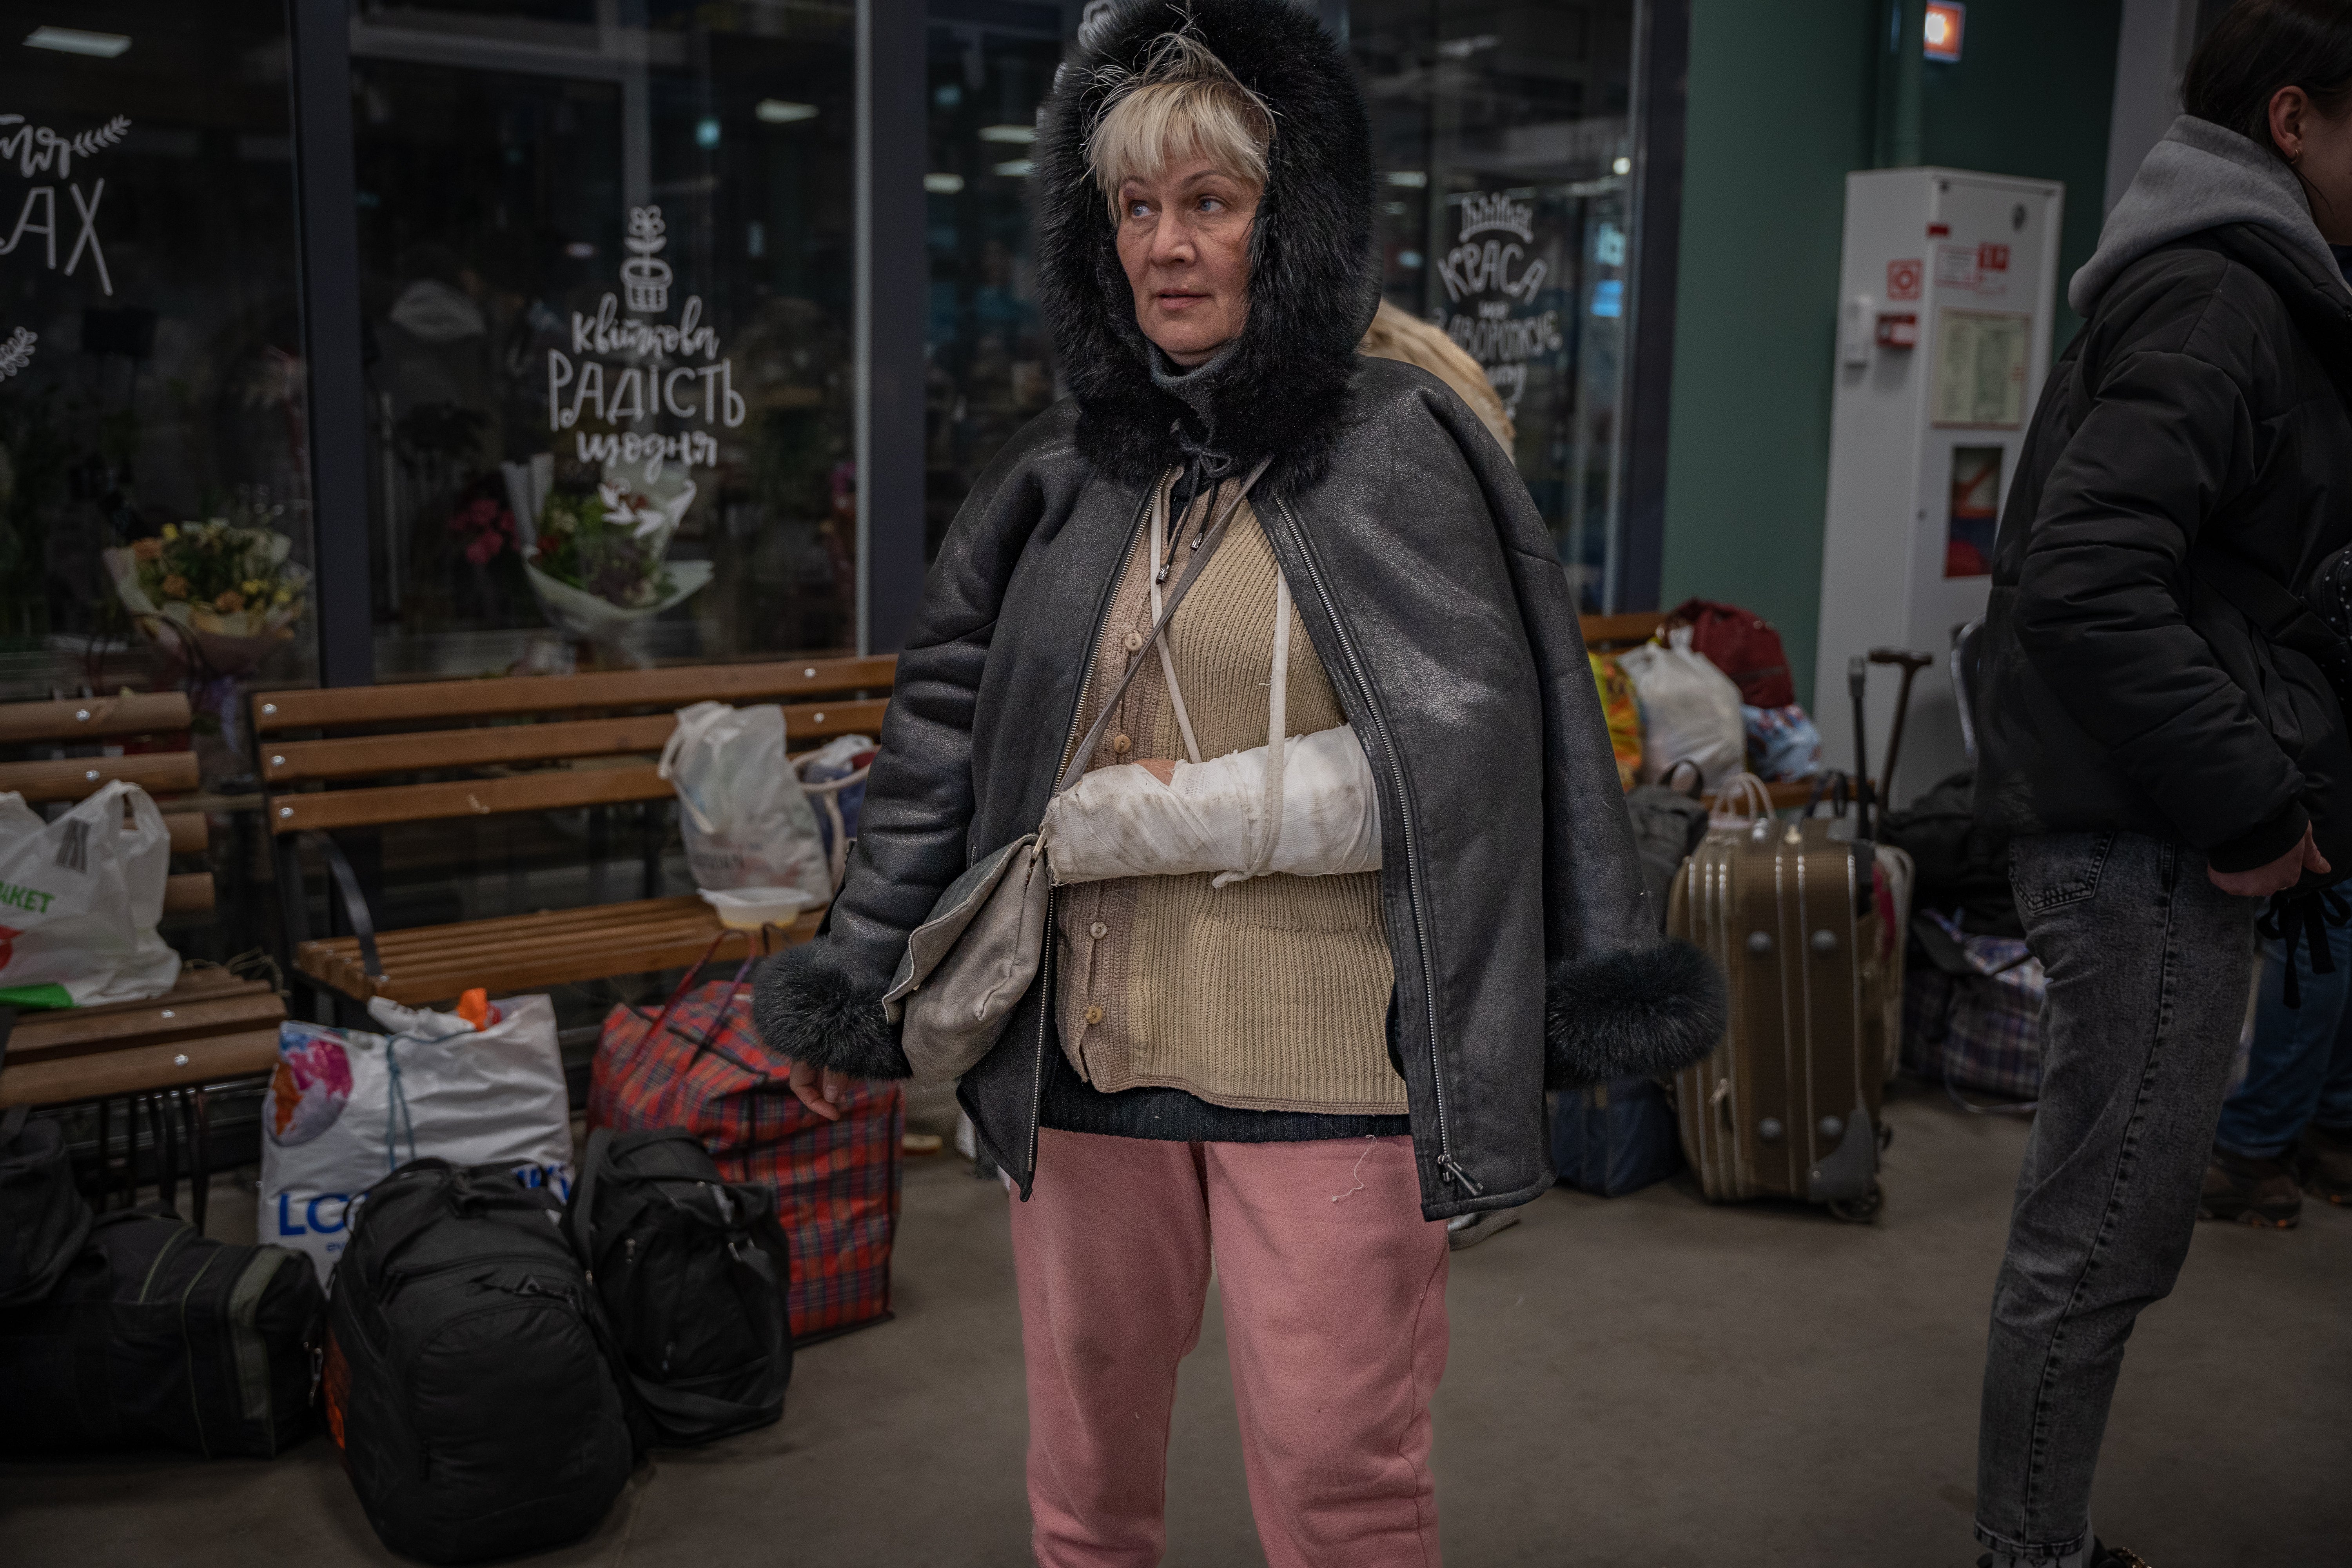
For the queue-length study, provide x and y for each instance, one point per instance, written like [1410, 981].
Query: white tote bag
[79, 898]
[746, 821]
[1690, 710]
[346, 1109]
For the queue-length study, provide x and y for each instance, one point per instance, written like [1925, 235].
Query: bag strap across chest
[1206, 546]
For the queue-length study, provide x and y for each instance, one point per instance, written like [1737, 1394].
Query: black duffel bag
[470, 1379]
[692, 1271]
[157, 1336]
[42, 1220]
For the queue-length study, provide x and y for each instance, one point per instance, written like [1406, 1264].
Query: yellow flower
[283, 596]
[253, 585]
[171, 531]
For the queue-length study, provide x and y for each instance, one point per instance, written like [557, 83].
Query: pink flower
[489, 528]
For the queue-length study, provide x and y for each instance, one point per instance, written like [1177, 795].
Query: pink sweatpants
[1334, 1292]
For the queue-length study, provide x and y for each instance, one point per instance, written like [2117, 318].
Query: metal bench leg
[130, 1103]
[200, 1157]
[167, 1151]
[194, 1114]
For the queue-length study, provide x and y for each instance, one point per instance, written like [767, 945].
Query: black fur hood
[1313, 283]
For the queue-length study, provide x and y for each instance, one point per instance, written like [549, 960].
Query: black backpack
[691, 1270]
[42, 1220]
[468, 1376]
[1961, 864]
[158, 1336]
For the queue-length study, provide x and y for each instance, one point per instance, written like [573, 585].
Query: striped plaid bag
[700, 1065]
[1981, 1029]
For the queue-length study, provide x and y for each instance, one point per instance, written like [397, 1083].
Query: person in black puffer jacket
[2161, 762]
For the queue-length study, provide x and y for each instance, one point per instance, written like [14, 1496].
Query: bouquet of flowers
[214, 594]
[599, 562]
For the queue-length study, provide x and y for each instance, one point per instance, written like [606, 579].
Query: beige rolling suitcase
[1788, 1105]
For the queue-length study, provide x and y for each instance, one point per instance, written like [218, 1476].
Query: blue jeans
[2149, 963]
[2301, 1068]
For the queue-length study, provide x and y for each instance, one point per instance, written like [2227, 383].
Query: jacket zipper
[1446, 1165]
[1070, 742]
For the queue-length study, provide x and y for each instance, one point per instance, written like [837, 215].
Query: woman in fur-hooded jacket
[1313, 1066]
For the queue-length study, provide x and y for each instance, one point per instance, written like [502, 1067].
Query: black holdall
[160, 1337]
[691, 1270]
[468, 1373]
[42, 1220]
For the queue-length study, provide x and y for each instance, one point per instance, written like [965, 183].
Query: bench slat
[549, 789]
[188, 893]
[1616, 631]
[292, 761]
[191, 831]
[411, 701]
[75, 719]
[73, 778]
[79, 1031]
[141, 1071]
[520, 952]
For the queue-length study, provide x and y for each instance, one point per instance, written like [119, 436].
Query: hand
[2275, 877]
[820, 1089]
[1161, 768]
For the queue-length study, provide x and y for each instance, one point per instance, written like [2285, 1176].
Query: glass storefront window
[151, 368]
[1503, 136]
[991, 369]
[609, 259]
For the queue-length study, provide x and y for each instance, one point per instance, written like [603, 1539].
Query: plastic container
[749, 909]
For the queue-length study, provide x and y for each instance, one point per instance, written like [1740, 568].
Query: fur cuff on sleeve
[809, 1009]
[1640, 1013]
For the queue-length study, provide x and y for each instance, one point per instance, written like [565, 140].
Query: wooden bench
[357, 758]
[162, 1055]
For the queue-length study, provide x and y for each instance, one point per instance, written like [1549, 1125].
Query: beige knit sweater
[1270, 995]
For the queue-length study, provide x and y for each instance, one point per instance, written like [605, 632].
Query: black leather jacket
[1523, 946]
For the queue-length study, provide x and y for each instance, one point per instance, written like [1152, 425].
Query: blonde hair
[1182, 102]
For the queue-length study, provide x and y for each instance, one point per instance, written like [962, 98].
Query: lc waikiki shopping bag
[346, 1109]
[700, 1065]
[79, 898]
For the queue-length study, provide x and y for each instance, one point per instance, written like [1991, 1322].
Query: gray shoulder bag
[970, 963]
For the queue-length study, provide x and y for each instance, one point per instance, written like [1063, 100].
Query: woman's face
[1183, 239]
[2320, 148]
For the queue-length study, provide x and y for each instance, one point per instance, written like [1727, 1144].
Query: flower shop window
[154, 505]
[607, 312]
[1505, 147]
[991, 63]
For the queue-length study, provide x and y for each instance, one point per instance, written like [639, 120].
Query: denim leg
[2334, 1111]
[2148, 965]
[2294, 1050]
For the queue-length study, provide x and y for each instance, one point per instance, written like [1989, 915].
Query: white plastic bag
[346, 1109]
[79, 898]
[1122, 822]
[1690, 710]
[745, 819]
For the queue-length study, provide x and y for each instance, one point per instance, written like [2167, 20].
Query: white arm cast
[1122, 822]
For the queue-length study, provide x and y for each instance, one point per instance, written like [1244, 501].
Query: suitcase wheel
[1861, 1210]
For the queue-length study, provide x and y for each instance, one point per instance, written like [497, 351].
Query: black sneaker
[2251, 1192]
[2326, 1164]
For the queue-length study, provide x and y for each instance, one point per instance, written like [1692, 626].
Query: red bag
[701, 1064]
[1743, 645]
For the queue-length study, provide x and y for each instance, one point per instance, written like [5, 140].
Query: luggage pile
[1711, 695]
[129, 1330]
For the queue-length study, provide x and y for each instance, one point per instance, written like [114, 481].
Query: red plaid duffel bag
[700, 1065]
